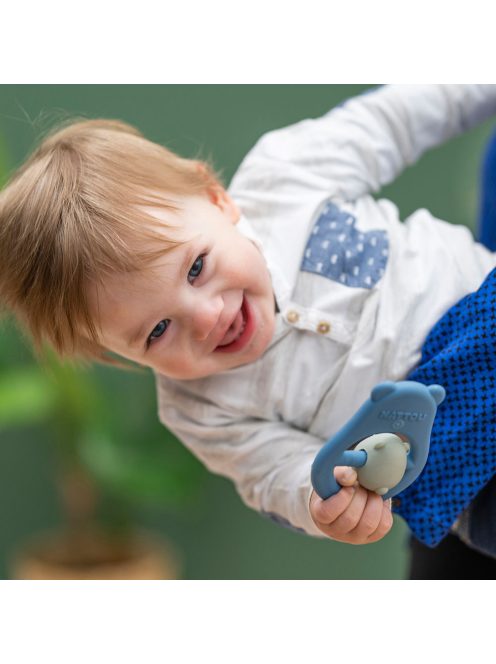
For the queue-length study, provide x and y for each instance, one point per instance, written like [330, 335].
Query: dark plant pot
[95, 554]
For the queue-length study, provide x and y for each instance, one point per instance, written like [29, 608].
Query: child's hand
[353, 515]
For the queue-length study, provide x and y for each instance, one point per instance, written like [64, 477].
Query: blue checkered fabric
[460, 354]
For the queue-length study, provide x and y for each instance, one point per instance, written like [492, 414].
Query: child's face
[205, 307]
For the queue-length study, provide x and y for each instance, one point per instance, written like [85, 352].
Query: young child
[267, 312]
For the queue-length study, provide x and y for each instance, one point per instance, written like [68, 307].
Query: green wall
[217, 537]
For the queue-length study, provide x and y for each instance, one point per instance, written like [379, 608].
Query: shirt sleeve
[367, 141]
[269, 462]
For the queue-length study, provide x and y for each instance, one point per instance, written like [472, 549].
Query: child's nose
[205, 317]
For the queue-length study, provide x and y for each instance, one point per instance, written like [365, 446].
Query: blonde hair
[71, 215]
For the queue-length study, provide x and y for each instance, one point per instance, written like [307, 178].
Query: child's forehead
[175, 226]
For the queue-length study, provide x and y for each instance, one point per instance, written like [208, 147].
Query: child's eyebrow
[190, 256]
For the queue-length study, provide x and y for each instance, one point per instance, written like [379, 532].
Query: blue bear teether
[406, 408]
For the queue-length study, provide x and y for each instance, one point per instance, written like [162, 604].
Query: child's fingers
[370, 518]
[384, 526]
[345, 475]
[348, 521]
[326, 511]
[353, 515]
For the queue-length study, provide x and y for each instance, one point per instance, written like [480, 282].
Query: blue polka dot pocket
[338, 251]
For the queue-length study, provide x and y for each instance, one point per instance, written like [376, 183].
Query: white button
[292, 316]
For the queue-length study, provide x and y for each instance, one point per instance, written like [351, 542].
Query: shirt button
[292, 316]
[323, 327]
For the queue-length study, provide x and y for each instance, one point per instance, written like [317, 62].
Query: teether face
[386, 462]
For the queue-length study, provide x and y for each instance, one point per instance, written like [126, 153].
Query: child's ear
[219, 197]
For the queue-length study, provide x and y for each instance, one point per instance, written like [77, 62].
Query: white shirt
[345, 323]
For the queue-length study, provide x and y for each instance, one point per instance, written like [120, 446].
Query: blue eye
[158, 330]
[196, 268]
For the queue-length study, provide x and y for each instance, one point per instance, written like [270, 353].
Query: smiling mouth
[239, 331]
[235, 330]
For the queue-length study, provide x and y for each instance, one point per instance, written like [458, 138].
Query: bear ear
[382, 390]
[437, 392]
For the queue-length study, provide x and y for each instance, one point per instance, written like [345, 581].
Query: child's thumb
[345, 475]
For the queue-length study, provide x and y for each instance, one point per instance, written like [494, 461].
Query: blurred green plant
[122, 444]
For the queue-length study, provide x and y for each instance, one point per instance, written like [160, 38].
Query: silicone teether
[406, 408]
